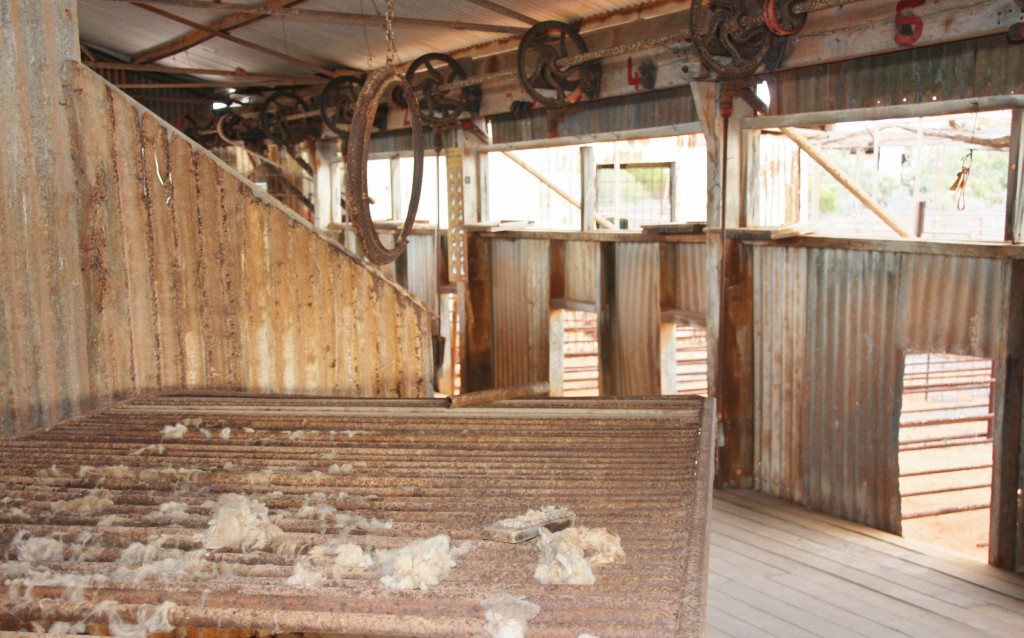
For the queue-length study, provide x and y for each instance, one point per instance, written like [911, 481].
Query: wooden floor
[780, 570]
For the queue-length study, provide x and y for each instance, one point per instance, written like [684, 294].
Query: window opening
[634, 195]
[945, 451]
[908, 166]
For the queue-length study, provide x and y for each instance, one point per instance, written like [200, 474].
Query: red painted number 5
[908, 28]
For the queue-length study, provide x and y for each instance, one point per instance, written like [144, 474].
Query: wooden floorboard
[780, 570]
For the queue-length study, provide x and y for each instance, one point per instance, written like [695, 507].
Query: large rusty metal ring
[377, 85]
[730, 36]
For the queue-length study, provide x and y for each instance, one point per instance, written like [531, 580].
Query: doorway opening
[945, 451]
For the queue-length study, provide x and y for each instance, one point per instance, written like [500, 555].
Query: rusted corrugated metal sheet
[581, 271]
[833, 327]
[970, 68]
[521, 310]
[780, 300]
[953, 304]
[420, 469]
[629, 320]
[222, 288]
[828, 379]
[180, 276]
[692, 278]
[849, 443]
[627, 113]
[421, 269]
[43, 361]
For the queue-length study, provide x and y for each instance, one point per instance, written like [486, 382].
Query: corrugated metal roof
[128, 29]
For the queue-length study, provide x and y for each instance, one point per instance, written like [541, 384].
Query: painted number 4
[908, 27]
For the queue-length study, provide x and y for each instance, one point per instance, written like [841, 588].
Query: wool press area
[475, 318]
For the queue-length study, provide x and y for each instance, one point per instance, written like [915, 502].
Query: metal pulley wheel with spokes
[377, 85]
[780, 18]
[542, 71]
[278, 121]
[427, 76]
[338, 103]
[730, 36]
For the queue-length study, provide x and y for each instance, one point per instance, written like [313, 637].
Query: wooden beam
[334, 16]
[588, 189]
[1015, 189]
[177, 70]
[1006, 516]
[863, 196]
[198, 36]
[230, 38]
[505, 11]
[281, 81]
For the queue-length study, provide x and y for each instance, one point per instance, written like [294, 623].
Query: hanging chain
[389, 32]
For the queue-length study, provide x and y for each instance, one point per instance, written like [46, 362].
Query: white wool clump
[75, 585]
[17, 512]
[569, 556]
[352, 433]
[36, 549]
[149, 619]
[508, 615]
[105, 472]
[174, 432]
[59, 627]
[530, 518]
[155, 449]
[225, 433]
[94, 502]
[586, 636]
[345, 468]
[186, 474]
[52, 471]
[172, 510]
[305, 575]
[301, 435]
[248, 430]
[240, 522]
[139, 552]
[175, 562]
[259, 478]
[206, 433]
[419, 565]
[110, 520]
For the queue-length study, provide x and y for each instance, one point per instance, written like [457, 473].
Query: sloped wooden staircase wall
[134, 261]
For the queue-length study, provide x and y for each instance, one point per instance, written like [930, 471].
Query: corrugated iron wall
[43, 360]
[965, 69]
[620, 275]
[134, 261]
[521, 298]
[829, 439]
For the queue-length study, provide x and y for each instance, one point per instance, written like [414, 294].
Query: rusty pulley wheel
[780, 18]
[730, 36]
[377, 85]
[540, 65]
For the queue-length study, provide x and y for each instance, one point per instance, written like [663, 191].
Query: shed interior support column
[1015, 189]
[1006, 525]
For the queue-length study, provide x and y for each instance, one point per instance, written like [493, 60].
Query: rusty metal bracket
[377, 85]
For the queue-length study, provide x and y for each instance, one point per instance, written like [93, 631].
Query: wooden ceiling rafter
[336, 16]
[198, 36]
[316, 68]
[505, 11]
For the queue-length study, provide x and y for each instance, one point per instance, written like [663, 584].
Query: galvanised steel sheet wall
[521, 310]
[833, 327]
[134, 261]
[692, 279]
[970, 68]
[581, 271]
